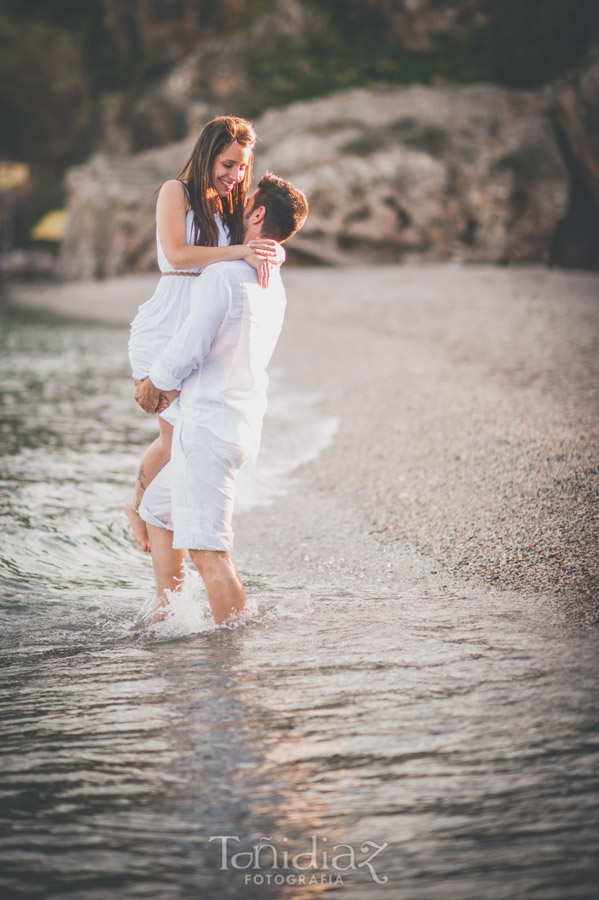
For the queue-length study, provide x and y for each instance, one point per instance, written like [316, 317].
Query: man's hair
[286, 207]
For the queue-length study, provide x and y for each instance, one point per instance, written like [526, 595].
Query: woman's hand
[262, 254]
[268, 249]
[260, 263]
[166, 398]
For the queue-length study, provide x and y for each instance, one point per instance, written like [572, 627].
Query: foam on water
[295, 432]
[188, 612]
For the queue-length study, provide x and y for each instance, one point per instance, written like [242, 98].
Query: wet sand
[468, 407]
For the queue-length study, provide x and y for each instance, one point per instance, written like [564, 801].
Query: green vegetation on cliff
[57, 57]
[520, 45]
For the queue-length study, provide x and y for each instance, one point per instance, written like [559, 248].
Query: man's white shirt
[218, 358]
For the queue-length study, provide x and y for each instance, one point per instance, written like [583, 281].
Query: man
[217, 360]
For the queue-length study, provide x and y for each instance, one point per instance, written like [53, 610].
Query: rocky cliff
[471, 173]
[575, 112]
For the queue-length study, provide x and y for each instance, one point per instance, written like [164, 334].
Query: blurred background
[425, 130]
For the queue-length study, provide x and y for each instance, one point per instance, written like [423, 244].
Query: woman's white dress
[162, 315]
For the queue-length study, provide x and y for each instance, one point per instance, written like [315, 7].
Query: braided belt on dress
[194, 274]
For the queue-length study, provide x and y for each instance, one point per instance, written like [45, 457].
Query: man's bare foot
[138, 526]
[160, 612]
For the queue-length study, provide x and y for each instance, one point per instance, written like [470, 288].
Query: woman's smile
[229, 168]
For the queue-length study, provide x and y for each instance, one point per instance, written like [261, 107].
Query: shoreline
[112, 301]
[468, 403]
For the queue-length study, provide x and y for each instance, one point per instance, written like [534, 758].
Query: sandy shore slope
[468, 401]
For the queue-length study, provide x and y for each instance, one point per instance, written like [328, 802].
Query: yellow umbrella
[50, 227]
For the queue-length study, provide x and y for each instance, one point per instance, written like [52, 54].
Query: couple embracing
[199, 349]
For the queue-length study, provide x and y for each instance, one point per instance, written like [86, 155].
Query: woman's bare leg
[154, 459]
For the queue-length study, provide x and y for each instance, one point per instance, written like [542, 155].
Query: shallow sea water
[374, 730]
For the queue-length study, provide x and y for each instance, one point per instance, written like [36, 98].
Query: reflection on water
[454, 736]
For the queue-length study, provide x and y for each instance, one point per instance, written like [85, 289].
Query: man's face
[249, 208]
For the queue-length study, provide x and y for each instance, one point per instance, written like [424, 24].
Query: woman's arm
[171, 212]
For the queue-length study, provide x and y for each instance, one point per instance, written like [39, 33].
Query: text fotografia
[266, 863]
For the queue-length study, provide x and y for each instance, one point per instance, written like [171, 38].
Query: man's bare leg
[225, 590]
[154, 459]
[168, 568]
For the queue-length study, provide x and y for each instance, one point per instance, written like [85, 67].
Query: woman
[199, 220]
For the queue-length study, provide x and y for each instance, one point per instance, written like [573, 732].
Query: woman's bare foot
[138, 526]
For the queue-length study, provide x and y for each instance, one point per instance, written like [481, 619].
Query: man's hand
[146, 395]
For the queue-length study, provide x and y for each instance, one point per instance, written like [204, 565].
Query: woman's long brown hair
[197, 175]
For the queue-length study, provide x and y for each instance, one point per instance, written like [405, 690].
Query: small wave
[295, 432]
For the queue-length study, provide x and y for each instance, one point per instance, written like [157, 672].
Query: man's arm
[188, 347]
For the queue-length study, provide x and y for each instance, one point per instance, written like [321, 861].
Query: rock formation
[111, 223]
[471, 173]
[576, 106]
[575, 110]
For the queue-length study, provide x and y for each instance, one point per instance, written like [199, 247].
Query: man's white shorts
[193, 495]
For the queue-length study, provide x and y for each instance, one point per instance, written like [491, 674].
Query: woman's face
[229, 168]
